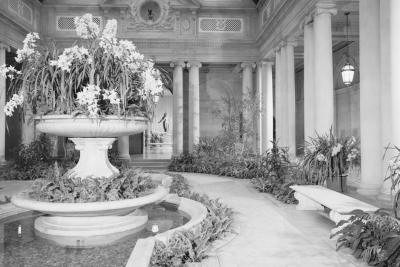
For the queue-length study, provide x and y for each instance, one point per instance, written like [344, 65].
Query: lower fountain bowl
[83, 232]
[89, 224]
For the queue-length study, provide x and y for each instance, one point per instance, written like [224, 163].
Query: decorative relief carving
[151, 15]
[188, 24]
[21, 9]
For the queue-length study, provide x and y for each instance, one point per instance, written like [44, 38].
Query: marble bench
[315, 197]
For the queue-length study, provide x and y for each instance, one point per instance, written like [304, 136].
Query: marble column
[386, 115]
[291, 98]
[283, 119]
[267, 106]
[247, 89]
[370, 111]
[258, 115]
[194, 104]
[323, 68]
[309, 90]
[177, 128]
[3, 49]
[123, 148]
[395, 69]
[278, 98]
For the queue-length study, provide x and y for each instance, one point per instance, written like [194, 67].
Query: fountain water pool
[21, 244]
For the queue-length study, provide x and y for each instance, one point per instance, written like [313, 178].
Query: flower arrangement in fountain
[99, 75]
[327, 156]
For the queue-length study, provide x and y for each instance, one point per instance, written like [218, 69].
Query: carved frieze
[151, 15]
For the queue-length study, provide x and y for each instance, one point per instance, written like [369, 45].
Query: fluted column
[194, 104]
[278, 98]
[395, 69]
[247, 89]
[323, 72]
[267, 106]
[370, 91]
[283, 120]
[177, 128]
[3, 49]
[258, 116]
[291, 98]
[386, 112]
[309, 90]
[123, 147]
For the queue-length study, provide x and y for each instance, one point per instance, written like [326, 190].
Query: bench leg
[337, 217]
[305, 203]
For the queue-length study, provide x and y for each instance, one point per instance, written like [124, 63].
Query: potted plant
[393, 171]
[328, 158]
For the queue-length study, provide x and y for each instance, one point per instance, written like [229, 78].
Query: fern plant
[373, 237]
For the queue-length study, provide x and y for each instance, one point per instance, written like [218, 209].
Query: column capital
[193, 64]
[308, 20]
[245, 65]
[325, 7]
[5, 46]
[265, 62]
[290, 42]
[178, 64]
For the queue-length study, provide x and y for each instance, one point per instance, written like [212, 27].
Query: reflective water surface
[20, 246]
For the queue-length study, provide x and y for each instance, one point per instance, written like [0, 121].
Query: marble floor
[271, 233]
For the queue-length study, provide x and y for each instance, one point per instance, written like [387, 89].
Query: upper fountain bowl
[82, 126]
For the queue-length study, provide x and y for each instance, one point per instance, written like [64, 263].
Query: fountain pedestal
[93, 159]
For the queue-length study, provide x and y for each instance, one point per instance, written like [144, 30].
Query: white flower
[28, 50]
[351, 141]
[110, 30]
[15, 101]
[70, 54]
[352, 155]
[112, 96]
[311, 148]
[336, 149]
[320, 157]
[89, 95]
[85, 27]
[152, 83]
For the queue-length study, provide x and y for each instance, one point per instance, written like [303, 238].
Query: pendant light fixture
[348, 69]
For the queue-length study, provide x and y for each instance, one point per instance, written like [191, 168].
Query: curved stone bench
[315, 197]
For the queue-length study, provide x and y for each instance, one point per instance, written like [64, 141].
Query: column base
[382, 196]
[368, 189]
[126, 157]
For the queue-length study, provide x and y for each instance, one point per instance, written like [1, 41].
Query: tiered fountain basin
[94, 223]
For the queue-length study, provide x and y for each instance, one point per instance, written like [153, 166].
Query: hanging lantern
[348, 71]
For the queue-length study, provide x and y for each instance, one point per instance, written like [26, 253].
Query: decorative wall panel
[221, 25]
[66, 23]
[21, 9]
